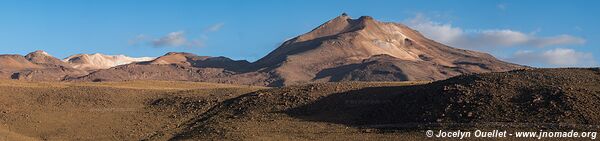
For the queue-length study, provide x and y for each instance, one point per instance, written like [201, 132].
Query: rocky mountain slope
[368, 50]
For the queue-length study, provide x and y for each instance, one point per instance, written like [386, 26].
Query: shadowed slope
[524, 99]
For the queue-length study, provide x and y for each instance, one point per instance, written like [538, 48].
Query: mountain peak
[39, 52]
[344, 14]
[182, 58]
[331, 27]
[179, 53]
[338, 25]
[362, 18]
[42, 57]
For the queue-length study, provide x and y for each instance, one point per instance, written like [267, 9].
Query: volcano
[364, 49]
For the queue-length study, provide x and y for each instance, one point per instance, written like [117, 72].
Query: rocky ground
[529, 100]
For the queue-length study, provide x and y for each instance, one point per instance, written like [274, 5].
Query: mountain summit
[43, 58]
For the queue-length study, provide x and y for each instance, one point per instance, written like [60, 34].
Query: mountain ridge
[341, 49]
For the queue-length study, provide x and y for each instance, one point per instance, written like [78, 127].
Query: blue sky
[539, 33]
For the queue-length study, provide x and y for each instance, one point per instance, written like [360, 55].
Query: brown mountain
[342, 49]
[189, 59]
[37, 65]
[182, 66]
[11, 63]
[43, 58]
[182, 58]
[16, 62]
[368, 50]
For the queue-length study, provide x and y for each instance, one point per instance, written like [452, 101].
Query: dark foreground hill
[524, 99]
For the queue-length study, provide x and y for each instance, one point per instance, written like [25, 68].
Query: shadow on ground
[544, 98]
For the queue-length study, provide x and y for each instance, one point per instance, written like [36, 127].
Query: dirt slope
[103, 111]
[16, 62]
[7, 135]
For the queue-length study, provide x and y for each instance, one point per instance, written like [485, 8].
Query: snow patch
[384, 44]
[101, 61]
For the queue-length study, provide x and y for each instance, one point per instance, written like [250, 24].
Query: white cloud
[215, 27]
[559, 57]
[444, 33]
[556, 40]
[176, 39]
[138, 39]
[458, 37]
[502, 6]
[172, 39]
[196, 43]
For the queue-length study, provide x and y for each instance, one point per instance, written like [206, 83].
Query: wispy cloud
[172, 39]
[559, 57]
[486, 38]
[499, 39]
[138, 39]
[502, 6]
[176, 38]
[215, 27]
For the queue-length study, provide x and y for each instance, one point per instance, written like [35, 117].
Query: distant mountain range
[40, 65]
[342, 49]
